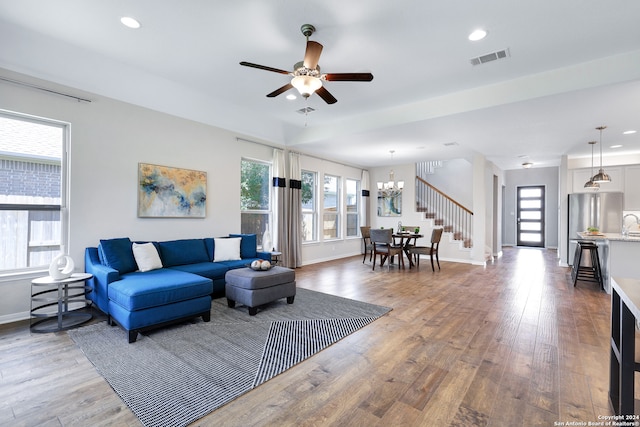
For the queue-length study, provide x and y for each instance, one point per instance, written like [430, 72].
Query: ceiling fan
[307, 78]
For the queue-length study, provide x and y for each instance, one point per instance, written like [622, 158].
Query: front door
[530, 209]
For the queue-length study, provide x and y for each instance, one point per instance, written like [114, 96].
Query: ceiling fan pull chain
[306, 110]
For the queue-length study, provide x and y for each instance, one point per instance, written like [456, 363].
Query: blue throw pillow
[181, 252]
[248, 245]
[117, 254]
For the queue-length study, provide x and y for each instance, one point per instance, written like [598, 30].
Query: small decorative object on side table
[275, 257]
[58, 292]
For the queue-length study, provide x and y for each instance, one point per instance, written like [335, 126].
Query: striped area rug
[176, 375]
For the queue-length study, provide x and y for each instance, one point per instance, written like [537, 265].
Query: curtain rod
[328, 160]
[44, 89]
[297, 152]
[259, 143]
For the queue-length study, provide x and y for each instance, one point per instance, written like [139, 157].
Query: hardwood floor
[512, 344]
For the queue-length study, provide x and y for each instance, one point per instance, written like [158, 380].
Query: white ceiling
[574, 65]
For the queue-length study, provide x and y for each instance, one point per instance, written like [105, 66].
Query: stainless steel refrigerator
[602, 210]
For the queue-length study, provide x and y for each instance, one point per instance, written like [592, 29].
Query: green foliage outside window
[254, 186]
[308, 185]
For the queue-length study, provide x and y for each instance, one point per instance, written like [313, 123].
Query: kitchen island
[619, 255]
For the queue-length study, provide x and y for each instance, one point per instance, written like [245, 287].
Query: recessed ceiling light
[527, 165]
[130, 22]
[478, 34]
[629, 132]
[291, 97]
[616, 146]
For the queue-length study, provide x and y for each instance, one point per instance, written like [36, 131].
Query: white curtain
[279, 204]
[365, 200]
[293, 254]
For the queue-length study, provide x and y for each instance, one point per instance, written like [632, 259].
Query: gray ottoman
[255, 288]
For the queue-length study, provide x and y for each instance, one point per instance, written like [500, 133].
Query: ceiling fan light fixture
[306, 85]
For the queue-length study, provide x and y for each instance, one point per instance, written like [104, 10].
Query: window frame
[338, 212]
[358, 208]
[62, 207]
[314, 211]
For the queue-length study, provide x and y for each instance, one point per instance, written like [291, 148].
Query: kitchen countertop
[609, 236]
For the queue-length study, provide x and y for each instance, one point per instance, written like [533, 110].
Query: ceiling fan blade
[348, 77]
[280, 90]
[324, 94]
[312, 55]
[264, 67]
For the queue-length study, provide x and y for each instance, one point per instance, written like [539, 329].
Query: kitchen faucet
[625, 230]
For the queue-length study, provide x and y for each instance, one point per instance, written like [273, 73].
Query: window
[331, 213]
[353, 207]
[309, 203]
[32, 177]
[255, 197]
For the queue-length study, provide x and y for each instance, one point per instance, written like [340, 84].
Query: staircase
[444, 211]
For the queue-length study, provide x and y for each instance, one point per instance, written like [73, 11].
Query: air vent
[306, 110]
[493, 56]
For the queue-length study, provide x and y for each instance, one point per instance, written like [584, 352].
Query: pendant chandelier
[590, 184]
[390, 188]
[601, 176]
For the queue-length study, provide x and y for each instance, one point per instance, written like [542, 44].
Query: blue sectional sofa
[177, 284]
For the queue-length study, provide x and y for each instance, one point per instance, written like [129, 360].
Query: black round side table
[60, 294]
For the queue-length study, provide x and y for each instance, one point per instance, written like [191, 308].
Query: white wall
[480, 183]
[549, 177]
[330, 249]
[459, 189]
[406, 173]
[108, 140]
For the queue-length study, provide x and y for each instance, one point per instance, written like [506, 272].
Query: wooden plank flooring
[512, 344]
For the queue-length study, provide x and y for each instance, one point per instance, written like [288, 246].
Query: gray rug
[176, 375]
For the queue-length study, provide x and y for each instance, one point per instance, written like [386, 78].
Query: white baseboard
[14, 317]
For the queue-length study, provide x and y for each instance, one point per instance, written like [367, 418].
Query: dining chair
[382, 240]
[365, 232]
[432, 250]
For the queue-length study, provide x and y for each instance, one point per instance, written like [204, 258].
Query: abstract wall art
[389, 205]
[167, 192]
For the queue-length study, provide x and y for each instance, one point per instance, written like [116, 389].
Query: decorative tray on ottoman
[260, 265]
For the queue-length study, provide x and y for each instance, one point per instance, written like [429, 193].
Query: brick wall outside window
[21, 178]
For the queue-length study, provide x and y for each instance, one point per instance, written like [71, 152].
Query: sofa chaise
[144, 285]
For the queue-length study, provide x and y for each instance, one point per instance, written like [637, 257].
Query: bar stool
[587, 273]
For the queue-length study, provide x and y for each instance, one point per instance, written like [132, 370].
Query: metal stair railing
[445, 211]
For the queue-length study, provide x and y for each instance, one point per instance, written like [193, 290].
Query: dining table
[405, 238]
